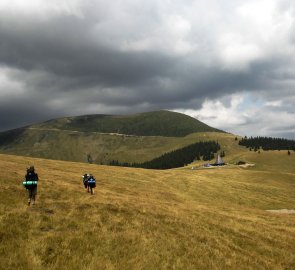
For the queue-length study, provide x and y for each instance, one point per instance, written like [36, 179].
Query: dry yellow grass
[146, 219]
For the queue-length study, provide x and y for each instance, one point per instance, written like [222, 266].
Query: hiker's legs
[30, 192]
[34, 194]
[92, 190]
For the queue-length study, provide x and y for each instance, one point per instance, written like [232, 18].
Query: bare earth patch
[282, 211]
[247, 165]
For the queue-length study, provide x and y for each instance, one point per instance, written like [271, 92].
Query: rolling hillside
[106, 138]
[146, 219]
[73, 146]
[158, 123]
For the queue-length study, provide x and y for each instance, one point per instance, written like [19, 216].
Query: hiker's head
[31, 169]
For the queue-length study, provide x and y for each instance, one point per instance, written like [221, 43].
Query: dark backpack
[31, 176]
[92, 182]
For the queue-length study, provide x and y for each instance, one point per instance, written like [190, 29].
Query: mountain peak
[155, 123]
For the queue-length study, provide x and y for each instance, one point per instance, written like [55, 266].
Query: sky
[228, 63]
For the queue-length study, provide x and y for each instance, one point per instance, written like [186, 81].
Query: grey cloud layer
[93, 57]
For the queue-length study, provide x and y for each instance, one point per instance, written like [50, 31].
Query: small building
[219, 161]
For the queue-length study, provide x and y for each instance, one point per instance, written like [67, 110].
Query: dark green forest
[177, 158]
[267, 143]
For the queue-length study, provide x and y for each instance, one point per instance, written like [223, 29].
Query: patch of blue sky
[249, 101]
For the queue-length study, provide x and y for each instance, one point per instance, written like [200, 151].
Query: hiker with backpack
[91, 183]
[85, 181]
[30, 182]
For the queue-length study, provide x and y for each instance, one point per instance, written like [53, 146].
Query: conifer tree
[178, 157]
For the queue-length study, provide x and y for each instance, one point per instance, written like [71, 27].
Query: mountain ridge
[156, 123]
[137, 138]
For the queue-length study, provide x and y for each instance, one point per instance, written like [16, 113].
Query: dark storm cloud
[19, 113]
[92, 57]
[67, 50]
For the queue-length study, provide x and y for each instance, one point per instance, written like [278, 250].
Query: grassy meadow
[148, 219]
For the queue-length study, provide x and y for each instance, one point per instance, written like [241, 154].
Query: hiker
[85, 181]
[91, 183]
[30, 183]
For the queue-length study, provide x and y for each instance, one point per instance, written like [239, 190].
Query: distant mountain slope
[158, 123]
[101, 138]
